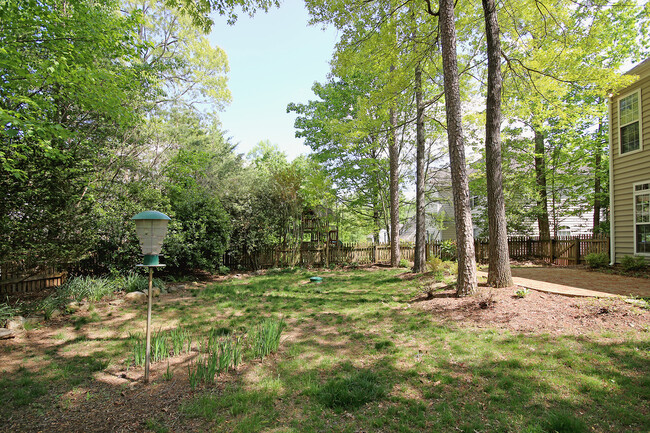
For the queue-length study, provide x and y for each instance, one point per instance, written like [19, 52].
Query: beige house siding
[628, 169]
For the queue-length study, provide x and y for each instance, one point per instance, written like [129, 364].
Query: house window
[564, 232]
[642, 218]
[474, 202]
[630, 122]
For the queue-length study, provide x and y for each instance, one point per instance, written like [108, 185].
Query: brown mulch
[537, 312]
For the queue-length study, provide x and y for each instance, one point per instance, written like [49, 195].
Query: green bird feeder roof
[151, 215]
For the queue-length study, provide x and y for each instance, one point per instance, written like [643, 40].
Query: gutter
[612, 226]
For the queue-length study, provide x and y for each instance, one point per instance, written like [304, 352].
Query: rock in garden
[6, 334]
[136, 296]
[16, 322]
[33, 320]
[155, 291]
[55, 313]
[73, 306]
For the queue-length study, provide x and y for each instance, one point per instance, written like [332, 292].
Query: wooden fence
[564, 251]
[19, 277]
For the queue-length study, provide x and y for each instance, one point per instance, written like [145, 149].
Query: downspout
[612, 226]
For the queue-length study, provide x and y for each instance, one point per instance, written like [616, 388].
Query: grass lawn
[355, 356]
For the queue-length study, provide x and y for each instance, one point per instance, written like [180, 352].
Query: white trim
[619, 126]
[612, 226]
[634, 194]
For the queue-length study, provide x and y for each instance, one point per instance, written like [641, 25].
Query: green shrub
[448, 250]
[435, 264]
[224, 270]
[7, 312]
[633, 263]
[597, 260]
[403, 263]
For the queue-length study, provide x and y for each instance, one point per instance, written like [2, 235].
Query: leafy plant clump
[352, 391]
[79, 289]
[224, 351]
[403, 263]
[633, 263]
[163, 345]
[7, 312]
[597, 260]
[133, 282]
[522, 292]
[435, 264]
[448, 250]
[266, 338]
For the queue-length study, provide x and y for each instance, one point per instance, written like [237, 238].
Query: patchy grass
[353, 355]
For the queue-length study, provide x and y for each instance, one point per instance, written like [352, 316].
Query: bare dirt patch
[537, 312]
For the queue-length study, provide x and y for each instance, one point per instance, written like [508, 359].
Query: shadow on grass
[355, 364]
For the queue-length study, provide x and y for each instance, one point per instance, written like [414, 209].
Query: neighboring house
[629, 166]
[440, 221]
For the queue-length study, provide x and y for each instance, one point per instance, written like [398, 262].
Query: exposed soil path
[574, 281]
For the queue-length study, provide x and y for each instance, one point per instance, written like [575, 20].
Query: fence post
[577, 244]
[374, 253]
[552, 243]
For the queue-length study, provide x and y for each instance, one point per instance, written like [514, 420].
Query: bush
[448, 250]
[224, 270]
[597, 260]
[403, 263]
[633, 263]
[435, 264]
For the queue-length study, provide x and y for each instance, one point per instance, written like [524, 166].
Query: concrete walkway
[578, 282]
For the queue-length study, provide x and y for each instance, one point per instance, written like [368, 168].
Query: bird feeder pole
[151, 228]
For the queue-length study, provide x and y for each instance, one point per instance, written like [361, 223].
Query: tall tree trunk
[460, 186]
[542, 194]
[597, 188]
[499, 274]
[420, 222]
[393, 155]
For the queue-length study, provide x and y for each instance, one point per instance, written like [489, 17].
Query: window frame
[635, 193]
[620, 126]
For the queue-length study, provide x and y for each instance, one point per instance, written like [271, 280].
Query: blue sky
[274, 59]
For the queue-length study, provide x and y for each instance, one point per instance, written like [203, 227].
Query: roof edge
[640, 69]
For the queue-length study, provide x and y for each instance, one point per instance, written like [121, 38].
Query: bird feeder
[151, 228]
